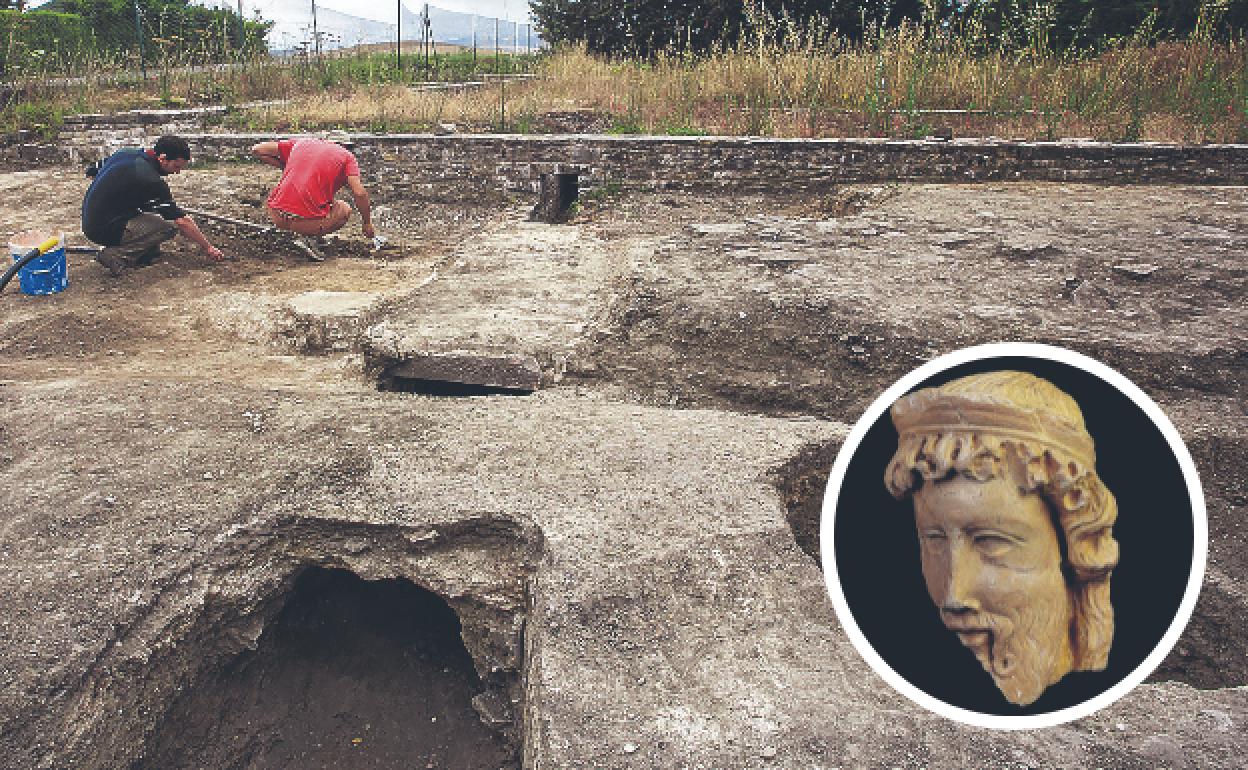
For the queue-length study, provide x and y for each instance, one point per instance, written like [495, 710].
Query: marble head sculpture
[1014, 525]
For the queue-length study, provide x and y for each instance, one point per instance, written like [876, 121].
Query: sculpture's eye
[933, 535]
[993, 543]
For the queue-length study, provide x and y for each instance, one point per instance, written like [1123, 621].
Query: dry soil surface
[628, 550]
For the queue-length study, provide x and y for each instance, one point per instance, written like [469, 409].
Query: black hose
[21, 262]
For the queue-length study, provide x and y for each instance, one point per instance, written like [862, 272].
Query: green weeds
[782, 79]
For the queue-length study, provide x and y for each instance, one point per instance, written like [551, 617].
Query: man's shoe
[147, 257]
[115, 264]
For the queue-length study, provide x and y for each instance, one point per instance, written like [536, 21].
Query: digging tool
[27, 258]
[308, 251]
[230, 220]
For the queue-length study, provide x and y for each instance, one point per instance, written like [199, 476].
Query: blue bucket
[46, 274]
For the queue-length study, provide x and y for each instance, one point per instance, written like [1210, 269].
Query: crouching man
[129, 210]
[313, 170]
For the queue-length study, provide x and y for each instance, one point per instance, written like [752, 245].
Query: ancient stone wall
[461, 164]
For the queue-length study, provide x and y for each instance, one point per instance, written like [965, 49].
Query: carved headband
[933, 411]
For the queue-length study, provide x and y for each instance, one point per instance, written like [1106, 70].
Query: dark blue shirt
[127, 184]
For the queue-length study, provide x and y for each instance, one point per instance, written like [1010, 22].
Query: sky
[292, 18]
[382, 10]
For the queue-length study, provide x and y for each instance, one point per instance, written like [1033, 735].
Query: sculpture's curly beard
[1025, 652]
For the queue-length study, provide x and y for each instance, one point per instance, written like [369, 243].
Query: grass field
[906, 82]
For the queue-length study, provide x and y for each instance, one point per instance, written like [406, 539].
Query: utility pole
[242, 28]
[316, 36]
[474, 45]
[398, 37]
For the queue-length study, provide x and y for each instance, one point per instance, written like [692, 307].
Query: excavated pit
[1209, 655]
[352, 673]
[304, 642]
[802, 483]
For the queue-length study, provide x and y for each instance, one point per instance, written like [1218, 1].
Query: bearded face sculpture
[1014, 525]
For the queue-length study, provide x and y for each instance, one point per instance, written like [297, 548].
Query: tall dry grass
[780, 80]
[910, 82]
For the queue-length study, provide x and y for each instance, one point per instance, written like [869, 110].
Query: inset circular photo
[1014, 536]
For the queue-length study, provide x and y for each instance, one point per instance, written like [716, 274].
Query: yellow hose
[29, 256]
[49, 244]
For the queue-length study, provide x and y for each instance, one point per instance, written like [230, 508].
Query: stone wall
[452, 164]
[455, 164]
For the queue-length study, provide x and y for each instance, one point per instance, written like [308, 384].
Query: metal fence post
[138, 39]
[427, 37]
[502, 80]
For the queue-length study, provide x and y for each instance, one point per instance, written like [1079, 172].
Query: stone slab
[330, 320]
[506, 308]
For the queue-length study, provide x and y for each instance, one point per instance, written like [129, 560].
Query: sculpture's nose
[960, 594]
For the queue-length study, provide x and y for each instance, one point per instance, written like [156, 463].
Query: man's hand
[191, 230]
[362, 205]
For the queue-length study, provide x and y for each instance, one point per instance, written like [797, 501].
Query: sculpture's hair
[1051, 455]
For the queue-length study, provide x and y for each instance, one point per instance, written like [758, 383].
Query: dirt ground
[702, 358]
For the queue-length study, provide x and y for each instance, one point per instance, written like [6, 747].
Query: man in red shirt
[312, 171]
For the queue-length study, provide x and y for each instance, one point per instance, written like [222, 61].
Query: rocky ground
[627, 549]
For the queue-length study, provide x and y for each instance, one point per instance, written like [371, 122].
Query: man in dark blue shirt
[129, 210]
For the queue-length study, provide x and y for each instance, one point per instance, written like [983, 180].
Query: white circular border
[1200, 534]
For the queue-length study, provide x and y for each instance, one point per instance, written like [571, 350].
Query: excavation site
[537, 483]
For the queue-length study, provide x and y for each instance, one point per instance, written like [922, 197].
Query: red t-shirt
[312, 171]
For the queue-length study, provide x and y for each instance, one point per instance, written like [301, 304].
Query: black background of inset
[877, 550]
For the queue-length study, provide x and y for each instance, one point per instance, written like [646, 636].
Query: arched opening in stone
[351, 673]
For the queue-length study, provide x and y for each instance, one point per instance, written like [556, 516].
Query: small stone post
[558, 193]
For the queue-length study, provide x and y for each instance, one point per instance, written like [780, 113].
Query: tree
[646, 27]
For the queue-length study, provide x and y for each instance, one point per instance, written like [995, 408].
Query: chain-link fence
[80, 37]
[70, 43]
[416, 35]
